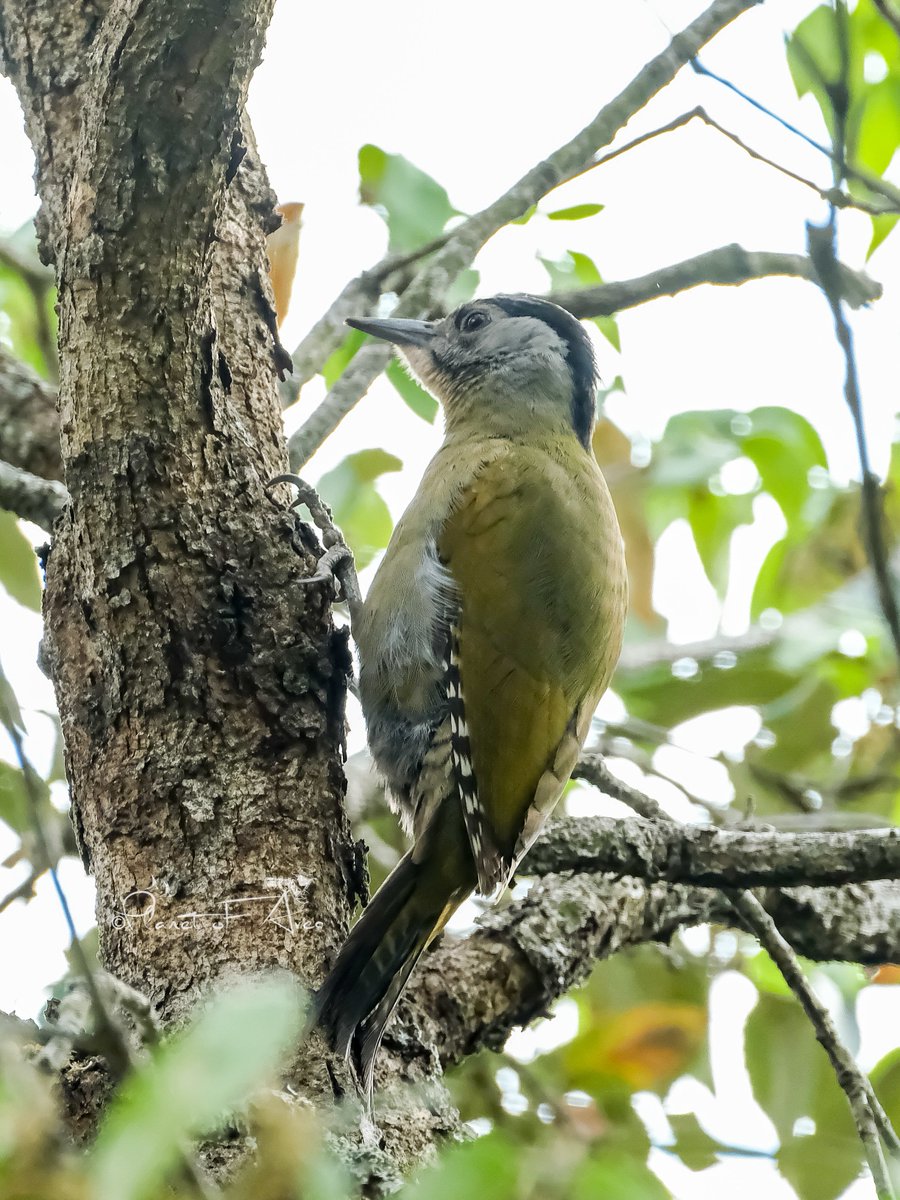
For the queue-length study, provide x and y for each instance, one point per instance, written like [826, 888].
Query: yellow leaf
[643, 1047]
[283, 248]
[626, 483]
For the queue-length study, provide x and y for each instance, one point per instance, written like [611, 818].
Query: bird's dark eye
[474, 320]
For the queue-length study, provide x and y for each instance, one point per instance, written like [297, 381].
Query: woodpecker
[488, 636]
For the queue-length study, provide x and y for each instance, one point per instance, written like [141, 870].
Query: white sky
[473, 93]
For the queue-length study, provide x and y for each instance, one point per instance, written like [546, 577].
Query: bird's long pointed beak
[395, 329]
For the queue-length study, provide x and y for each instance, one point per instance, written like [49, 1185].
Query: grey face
[508, 352]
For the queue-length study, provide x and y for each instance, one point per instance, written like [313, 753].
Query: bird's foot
[336, 565]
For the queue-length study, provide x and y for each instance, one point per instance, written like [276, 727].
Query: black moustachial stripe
[580, 354]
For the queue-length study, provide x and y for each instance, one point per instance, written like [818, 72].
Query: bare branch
[357, 299]
[850, 1077]
[881, 187]
[24, 891]
[592, 769]
[728, 265]
[29, 496]
[431, 283]
[29, 429]
[710, 857]
[641, 655]
[526, 956]
[36, 275]
[835, 195]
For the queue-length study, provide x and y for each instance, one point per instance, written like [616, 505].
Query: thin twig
[880, 187]
[431, 282]
[822, 242]
[25, 890]
[839, 197]
[889, 14]
[592, 769]
[872, 1122]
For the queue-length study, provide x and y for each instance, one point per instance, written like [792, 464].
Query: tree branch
[835, 195]
[29, 496]
[709, 857]
[358, 298]
[430, 284]
[29, 427]
[528, 955]
[727, 265]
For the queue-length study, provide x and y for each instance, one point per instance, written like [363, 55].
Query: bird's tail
[411, 907]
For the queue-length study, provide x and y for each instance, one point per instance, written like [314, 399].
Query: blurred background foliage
[627, 1072]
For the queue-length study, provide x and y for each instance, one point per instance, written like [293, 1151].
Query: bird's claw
[327, 567]
[336, 565]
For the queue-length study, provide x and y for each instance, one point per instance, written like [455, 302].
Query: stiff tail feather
[355, 1003]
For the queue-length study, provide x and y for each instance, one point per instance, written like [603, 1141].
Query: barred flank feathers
[488, 862]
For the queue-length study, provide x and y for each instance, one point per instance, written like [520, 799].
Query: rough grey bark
[528, 955]
[200, 685]
[715, 857]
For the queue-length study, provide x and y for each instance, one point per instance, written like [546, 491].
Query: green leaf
[616, 1174]
[421, 402]
[885, 1076]
[10, 713]
[610, 330]
[413, 205]
[358, 509]
[488, 1167]
[655, 694]
[784, 448]
[525, 217]
[575, 270]
[338, 361]
[879, 129]
[693, 1145]
[190, 1086]
[18, 564]
[575, 212]
[713, 520]
[813, 51]
[881, 226]
[694, 446]
[13, 798]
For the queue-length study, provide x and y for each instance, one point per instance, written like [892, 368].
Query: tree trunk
[200, 683]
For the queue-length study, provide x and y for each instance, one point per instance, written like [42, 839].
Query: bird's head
[501, 365]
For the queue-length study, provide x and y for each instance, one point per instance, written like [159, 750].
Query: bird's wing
[535, 554]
